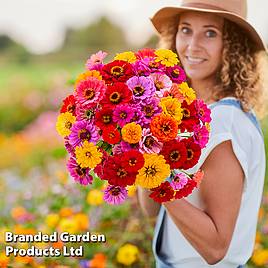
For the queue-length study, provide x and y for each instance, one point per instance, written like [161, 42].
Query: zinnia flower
[117, 71]
[166, 57]
[122, 114]
[164, 127]
[133, 159]
[176, 73]
[198, 177]
[162, 193]
[87, 75]
[127, 254]
[88, 155]
[116, 94]
[172, 107]
[95, 59]
[79, 174]
[154, 171]
[145, 53]
[201, 135]
[115, 195]
[128, 56]
[148, 143]
[81, 131]
[64, 123]
[84, 113]
[179, 181]
[186, 190]
[187, 92]
[131, 133]
[175, 153]
[138, 117]
[203, 112]
[193, 153]
[104, 117]
[69, 105]
[174, 92]
[162, 83]
[142, 87]
[150, 108]
[111, 135]
[90, 91]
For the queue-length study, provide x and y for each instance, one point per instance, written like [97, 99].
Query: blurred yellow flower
[127, 254]
[64, 123]
[66, 212]
[128, 56]
[131, 190]
[52, 220]
[260, 257]
[19, 229]
[82, 221]
[95, 197]
[68, 225]
[166, 57]
[187, 92]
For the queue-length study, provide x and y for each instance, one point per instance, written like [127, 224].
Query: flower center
[149, 142]
[88, 154]
[117, 70]
[106, 119]
[68, 124]
[162, 193]
[115, 97]
[175, 73]
[150, 171]
[70, 108]
[115, 191]
[132, 162]
[190, 154]
[111, 135]
[165, 128]
[123, 115]
[174, 156]
[89, 93]
[80, 171]
[201, 112]
[153, 64]
[149, 110]
[186, 112]
[84, 134]
[121, 173]
[138, 90]
[159, 85]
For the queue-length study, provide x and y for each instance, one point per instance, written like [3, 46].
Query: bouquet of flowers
[135, 121]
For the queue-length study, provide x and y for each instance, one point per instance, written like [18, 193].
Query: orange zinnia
[164, 127]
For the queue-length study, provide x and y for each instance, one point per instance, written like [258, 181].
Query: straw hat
[233, 10]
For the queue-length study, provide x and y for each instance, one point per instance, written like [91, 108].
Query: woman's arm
[210, 230]
[149, 207]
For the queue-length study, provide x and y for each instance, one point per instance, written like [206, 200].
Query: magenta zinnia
[115, 195]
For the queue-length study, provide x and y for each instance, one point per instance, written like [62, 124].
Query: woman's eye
[211, 33]
[185, 30]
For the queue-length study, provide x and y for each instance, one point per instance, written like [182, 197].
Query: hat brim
[165, 14]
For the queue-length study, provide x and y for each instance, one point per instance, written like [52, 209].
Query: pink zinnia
[115, 195]
[149, 144]
[162, 83]
[95, 60]
[79, 174]
[123, 114]
[201, 135]
[179, 181]
[198, 177]
[176, 74]
[203, 112]
[90, 91]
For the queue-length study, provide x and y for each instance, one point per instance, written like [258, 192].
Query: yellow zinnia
[64, 123]
[172, 106]
[166, 57]
[128, 56]
[187, 92]
[127, 254]
[154, 171]
[82, 221]
[52, 220]
[84, 76]
[88, 155]
[260, 257]
[95, 197]
[131, 133]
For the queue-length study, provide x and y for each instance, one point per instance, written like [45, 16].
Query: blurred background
[43, 47]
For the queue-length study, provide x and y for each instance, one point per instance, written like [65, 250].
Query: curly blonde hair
[243, 69]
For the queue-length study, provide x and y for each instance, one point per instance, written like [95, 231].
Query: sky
[40, 24]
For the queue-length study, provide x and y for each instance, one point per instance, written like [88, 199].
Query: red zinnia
[118, 93]
[117, 173]
[117, 71]
[104, 118]
[145, 53]
[175, 153]
[133, 159]
[111, 135]
[186, 190]
[99, 169]
[69, 105]
[162, 193]
[190, 117]
[193, 153]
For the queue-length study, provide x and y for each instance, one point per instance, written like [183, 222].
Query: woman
[216, 225]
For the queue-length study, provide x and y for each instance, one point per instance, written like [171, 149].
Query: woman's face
[199, 44]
